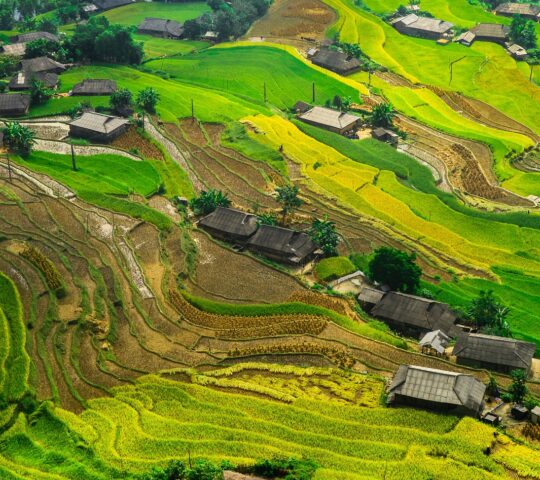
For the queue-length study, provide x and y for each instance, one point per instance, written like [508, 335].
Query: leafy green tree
[382, 115]
[396, 269]
[267, 219]
[9, 64]
[208, 201]
[19, 138]
[287, 197]
[518, 388]
[40, 48]
[487, 312]
[39, 93]
[523, 32]
[6, 16]
[147, 99]
[323, 233]
[47, 25]
[492, 388]
[120, 99]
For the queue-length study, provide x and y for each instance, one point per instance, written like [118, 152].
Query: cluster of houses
[416, 25]
[339, 122]
[244, 231]
[435, 324]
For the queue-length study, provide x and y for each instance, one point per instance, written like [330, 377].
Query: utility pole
[192, 110]
[9, 168]
[313, 92]
[73, 162]
[264, 92]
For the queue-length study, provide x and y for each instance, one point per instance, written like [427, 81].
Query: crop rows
[52, 276]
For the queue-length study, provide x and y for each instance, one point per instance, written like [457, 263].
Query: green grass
[160, 47]
[105, 179]
[294, 308]
[244, 70]
[108, 174]
[332, 268]
[15, 359]
[236, 136]
[135, 13]
[175, 97]
[484, 71]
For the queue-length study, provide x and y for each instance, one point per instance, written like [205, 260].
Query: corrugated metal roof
[437, 339]
[496, 350]
[98, 122]
[9, 101]
[512, 8]
[335, 60]
[438, 386]
[370, 295]
[329, 117]
[425, 24]
[491, 30]
[23, 80]
[41, 64]
[282, 241]
[31, 36]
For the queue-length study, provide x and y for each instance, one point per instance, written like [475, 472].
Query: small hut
[434, 343]
[98, 127]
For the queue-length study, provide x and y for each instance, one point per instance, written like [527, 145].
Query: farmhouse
[282, 244]
[98, 127]
[517, 52]
[31, 36]
[415, 316]
[161, 27]
[526, 10]
[210, 36]
[333, 120]
[42, 65]
[23, 80]
[437, 390]
[13, 105]
[15, 49]
[435, 341]
[466, 38]
[336, 61]
[91, 87]
[490, 32]
[495, 353]
[369, 297]
[229, 224]
[423, 27]
[385, 135]
[108, 4]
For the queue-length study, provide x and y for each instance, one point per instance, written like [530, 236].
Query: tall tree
[147, 99]
[120, 99]
[518, 388]
[396, 269]
[323, 233]
[207, 201]
[382, 115]
[523, 32]
[18, 138]
[488, 313]
[287, 197]
[39, 92]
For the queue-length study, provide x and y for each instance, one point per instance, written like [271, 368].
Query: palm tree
[287, 197]
[147, 99]
[19, 138]
[382, 115]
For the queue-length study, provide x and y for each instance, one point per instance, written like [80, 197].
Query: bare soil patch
[294, 20]
[134, 142]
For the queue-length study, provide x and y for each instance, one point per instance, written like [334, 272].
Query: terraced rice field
[252, 411]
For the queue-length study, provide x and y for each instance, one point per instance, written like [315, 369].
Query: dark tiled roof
[370, 295]
[437, 386]
[99, 123]
[14, 101]
[107, 4]
[94, 87]
[518, 9]
[284, 242]
[41, 64]
[496, 350]
[161, 26]
[491, 30]
[31, 36]
[417, 312]
[23, 80]
[382, 133]
[230, 222]
[335, 60]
